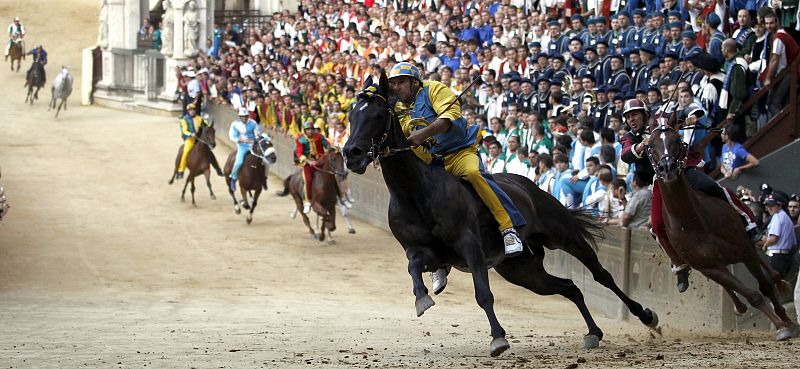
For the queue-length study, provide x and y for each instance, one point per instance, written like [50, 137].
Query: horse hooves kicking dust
[498, 346]
[653, 323]
[590, 341]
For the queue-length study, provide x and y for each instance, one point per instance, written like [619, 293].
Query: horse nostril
[356, 152]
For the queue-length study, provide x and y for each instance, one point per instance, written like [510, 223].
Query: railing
[247, 19]
[782, 129]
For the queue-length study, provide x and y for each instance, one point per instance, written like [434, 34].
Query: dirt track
[102, 266]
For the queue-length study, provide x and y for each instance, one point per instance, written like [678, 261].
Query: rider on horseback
[16, 31]
[425, 115]
[190, 125]
[634, 145]
[309, 147]
[243, 132]
[39, 56]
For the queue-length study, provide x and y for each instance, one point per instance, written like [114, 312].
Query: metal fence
[139, 72]
[246, 19]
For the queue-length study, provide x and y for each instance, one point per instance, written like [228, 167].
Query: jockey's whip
[478, 78]
[663, 108]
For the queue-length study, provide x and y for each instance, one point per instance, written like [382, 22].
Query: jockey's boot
[512, 242]
[683, 279]
[179, 175]
[343, 200]
[306, 207]
[439, 279]
[233, 185]
[754, 234]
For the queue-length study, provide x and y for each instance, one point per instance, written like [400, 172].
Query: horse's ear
[367, 83]
[384, 85]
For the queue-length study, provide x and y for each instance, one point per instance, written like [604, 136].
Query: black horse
[441, 222]
[35, 79]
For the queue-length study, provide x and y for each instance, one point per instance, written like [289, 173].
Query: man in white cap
[243, 132]
[15, 31]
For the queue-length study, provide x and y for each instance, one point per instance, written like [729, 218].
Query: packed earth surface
[102, 265]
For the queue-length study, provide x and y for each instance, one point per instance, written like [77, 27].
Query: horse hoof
[425, 303]
[194, 205]
[314, 236]
[249, 219]
[213, 197]
[331, 242]
[293, 213]
[237, 210]
[590, 341]
[784, 334]
[183, 199]
[498, 346]
[653, 323]
[351, 231]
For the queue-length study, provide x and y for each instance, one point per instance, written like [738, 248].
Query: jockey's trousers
[241, 153]
[187, 148]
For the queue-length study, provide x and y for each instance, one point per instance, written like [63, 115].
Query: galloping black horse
[441, 222]
[35, 79]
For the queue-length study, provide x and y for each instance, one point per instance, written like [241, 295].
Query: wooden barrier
[632, 257]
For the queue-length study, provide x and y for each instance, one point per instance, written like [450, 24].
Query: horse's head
[264, 149]
[337, 163]
[208, 134]
[370, 125]
[667, 152]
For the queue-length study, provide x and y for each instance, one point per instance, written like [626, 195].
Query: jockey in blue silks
[243, 132]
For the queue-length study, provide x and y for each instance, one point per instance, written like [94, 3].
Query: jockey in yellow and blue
[424, 114]
[190, 124]
[243, 132]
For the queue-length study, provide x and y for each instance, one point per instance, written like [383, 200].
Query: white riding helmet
[243, 112]
[16, 19]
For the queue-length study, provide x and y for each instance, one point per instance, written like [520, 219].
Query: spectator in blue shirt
[735, 159]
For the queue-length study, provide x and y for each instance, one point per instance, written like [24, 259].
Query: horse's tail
[285, 187]
[590, 230]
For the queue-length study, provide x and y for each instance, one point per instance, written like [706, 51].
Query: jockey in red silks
[309, 147]
[634, 145]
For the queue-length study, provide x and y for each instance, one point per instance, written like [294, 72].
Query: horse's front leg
[416, 266]
[476, 260]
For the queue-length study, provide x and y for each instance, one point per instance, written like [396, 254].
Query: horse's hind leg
[739, 307]
[527, 270]
[767, 288]
[780, 284]
[63, 103]
[207, 174]
[183, 193]
[582, 251]
[722, 276]
[236, 208]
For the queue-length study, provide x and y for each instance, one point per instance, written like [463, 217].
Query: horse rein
[378, 150]
[680, 158]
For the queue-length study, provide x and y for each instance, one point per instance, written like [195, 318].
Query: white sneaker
[439, 279]
[306, 207]
[512, 242]
[347, 204]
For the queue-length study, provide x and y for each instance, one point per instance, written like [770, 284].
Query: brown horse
[324, 192]
[701, 231]
[35, 80]
[199, 161]
[16, 53]
[253, 175]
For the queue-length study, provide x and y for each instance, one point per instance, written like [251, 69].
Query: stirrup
[512, 243]
[439, 279]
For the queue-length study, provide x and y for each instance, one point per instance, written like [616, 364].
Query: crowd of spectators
[554, 76]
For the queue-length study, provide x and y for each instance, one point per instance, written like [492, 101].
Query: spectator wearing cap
[638, 16]
[559, 69]
[603, 32]
[578, 66]
[639, 73]
[575, 45]
[619, 78]
[591, 37]
[710, 85]
[714, 36]
[601, 110]
[653, 34]
[578, 30]
[542, 101]
[779, 242]
[525, 100]
[559, 43]
[735, 159]
[688, 38]
[675, 44]
[604, 70]
[673, 69]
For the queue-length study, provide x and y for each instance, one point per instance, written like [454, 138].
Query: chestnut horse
[199, 161]
[705, 231]
[253, 175]
[440, 222]
[16, 53]
[324, 193]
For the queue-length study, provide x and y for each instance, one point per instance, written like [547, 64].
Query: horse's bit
[377, 150]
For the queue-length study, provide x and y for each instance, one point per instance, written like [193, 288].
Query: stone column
[177, 33]
[132, 19]
[116, 24]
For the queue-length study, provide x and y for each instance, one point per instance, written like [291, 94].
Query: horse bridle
[680, 158]
[258, 143]
[378, 150]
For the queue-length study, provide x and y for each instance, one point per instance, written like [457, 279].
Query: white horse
[62, 88]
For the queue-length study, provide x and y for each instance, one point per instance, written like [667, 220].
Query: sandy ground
[101, 265]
